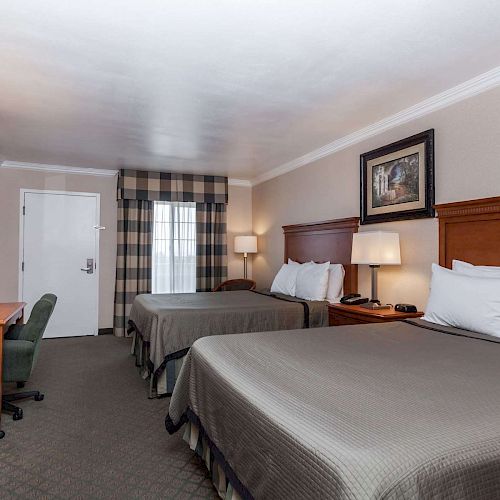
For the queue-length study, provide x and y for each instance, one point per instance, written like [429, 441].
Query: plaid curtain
[211, 245]
[133, 258]
[164, 186]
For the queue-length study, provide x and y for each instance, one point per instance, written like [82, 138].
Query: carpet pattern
[96, 434]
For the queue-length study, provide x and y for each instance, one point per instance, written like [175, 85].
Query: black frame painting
[397, 180]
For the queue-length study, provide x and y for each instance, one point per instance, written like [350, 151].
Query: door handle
[90, 267]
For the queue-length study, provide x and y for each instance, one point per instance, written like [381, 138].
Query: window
[174, 247]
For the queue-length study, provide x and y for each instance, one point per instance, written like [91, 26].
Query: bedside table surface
[380, 313]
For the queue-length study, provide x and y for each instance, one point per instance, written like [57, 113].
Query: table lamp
[375, 248]
[245, 245]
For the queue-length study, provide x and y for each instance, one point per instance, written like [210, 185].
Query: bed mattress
[382, 411]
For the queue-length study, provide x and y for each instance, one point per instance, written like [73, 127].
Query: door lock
[90, 267]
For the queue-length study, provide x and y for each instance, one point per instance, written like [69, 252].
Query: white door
[59, 248]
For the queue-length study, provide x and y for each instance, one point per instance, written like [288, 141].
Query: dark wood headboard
[324, 241]
[470, 231]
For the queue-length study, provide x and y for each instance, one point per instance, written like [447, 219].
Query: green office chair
[20, 351]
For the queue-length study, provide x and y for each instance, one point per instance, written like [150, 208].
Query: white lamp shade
[245, 244]
[376, 248]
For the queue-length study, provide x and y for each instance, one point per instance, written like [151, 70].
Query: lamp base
[375, 305]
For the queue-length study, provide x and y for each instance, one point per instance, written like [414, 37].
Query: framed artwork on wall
[397, 181]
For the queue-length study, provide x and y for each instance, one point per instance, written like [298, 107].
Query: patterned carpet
[96, 434]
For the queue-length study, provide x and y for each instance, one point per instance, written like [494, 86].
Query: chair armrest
[18, 358]
[18, 347]
[14, 332]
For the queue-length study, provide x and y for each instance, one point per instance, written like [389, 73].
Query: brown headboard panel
[470, 231]
[324, 241]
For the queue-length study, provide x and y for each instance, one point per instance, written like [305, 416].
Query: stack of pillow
[310, 281]
[466, 297]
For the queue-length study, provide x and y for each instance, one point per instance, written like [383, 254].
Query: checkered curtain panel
[133, 259]
[137, 192]
[211, 245]
[164, 186]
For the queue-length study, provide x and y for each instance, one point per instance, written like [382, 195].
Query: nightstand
[340, 314]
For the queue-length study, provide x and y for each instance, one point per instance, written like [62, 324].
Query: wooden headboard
[324, 241]
[470, 231]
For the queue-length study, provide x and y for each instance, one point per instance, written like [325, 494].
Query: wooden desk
[10, 313]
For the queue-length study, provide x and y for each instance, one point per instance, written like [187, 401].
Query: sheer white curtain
[174, 247]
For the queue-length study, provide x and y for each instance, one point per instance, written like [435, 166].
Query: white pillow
[467, 302]
[479, 271]
[312, 281]
[335, 282]
[285, 280]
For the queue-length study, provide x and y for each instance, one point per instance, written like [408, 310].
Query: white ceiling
[222, 86]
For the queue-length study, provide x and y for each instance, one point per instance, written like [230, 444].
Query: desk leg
[2, 433]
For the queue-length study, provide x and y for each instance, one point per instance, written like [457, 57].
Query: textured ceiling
[223, 87]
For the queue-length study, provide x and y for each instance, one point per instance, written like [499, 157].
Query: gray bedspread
[380, 411]
[172, 322]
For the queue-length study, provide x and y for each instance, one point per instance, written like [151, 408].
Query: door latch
[90, 267]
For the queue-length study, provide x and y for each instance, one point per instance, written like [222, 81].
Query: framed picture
[397, 181]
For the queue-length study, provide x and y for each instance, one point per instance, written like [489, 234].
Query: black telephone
[353, 299]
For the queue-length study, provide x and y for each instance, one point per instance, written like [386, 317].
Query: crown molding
[62, 169]
[66, 169]
[239, 182]
[472, 87]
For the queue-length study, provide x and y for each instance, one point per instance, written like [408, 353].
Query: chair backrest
[236, 284]
[40, 314]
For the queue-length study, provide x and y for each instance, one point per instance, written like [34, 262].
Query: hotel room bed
[166, 325]
[405, 410]
[390, 411]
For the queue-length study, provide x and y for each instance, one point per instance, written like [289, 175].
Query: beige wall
[467, 167]
[12, 181]
[239, 222]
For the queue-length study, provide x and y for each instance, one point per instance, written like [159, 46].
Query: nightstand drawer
[338, 320]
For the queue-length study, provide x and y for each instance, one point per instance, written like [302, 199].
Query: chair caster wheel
[18, 415]
[2, 434]
[39, 397]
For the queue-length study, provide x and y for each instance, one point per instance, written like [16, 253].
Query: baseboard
[105, 331]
